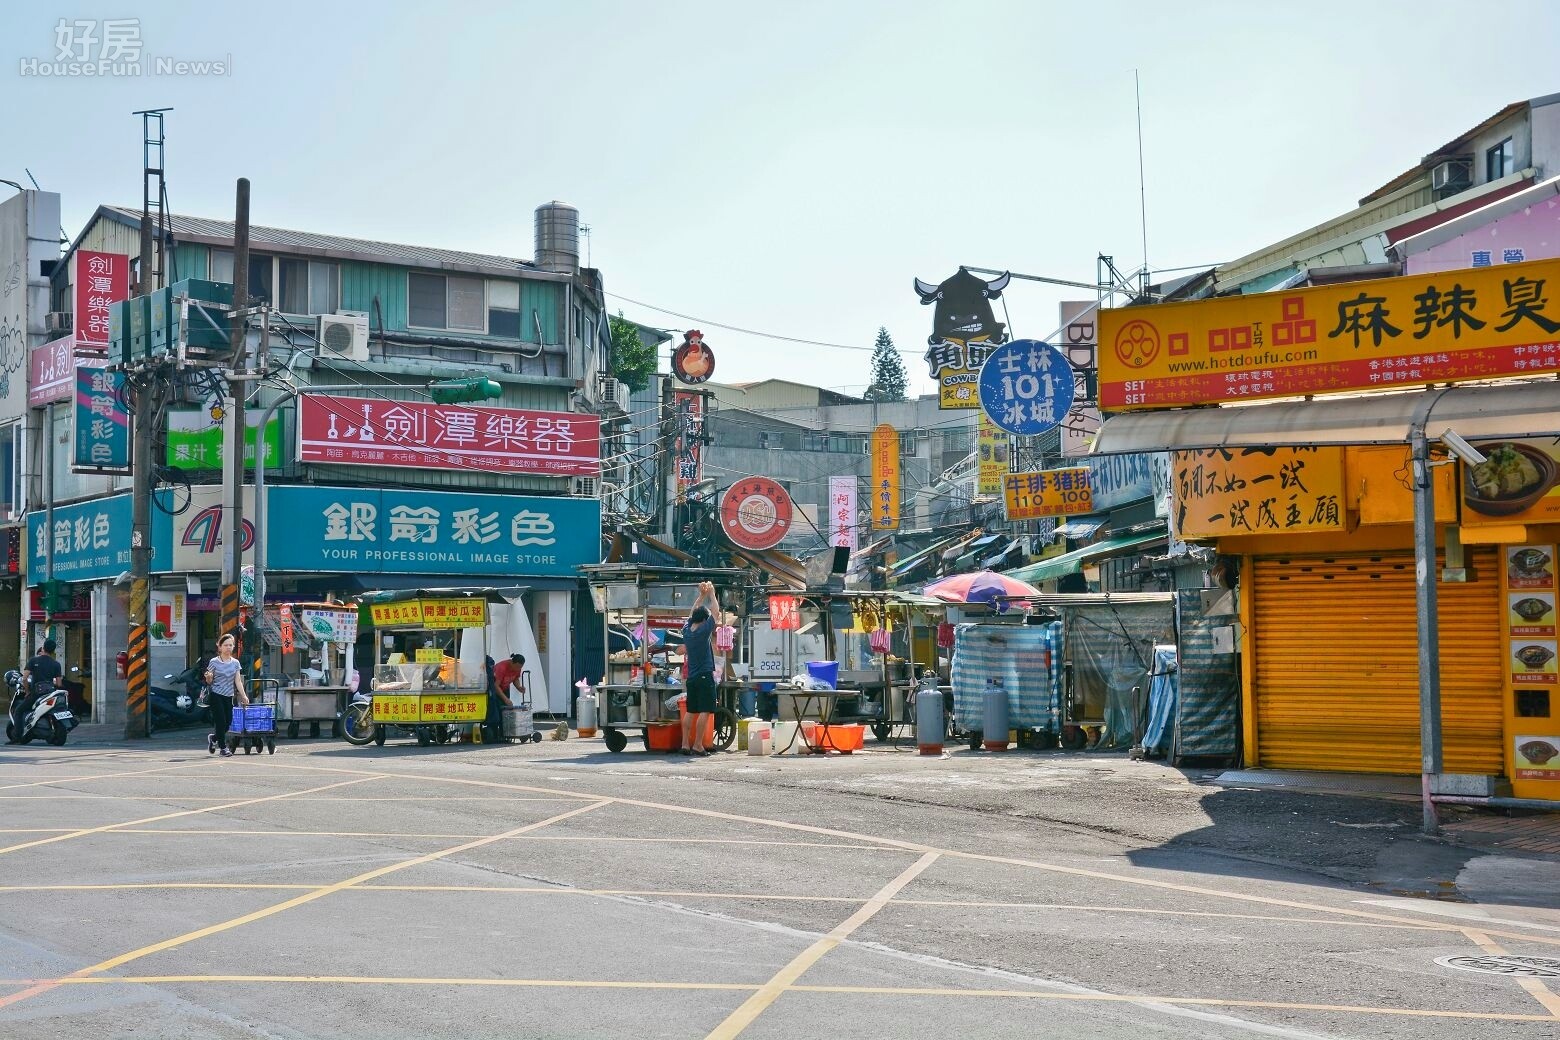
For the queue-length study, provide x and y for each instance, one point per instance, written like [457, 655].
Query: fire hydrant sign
[1052, 492]
[1026, 387]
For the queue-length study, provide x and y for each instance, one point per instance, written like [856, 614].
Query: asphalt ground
[556, 891]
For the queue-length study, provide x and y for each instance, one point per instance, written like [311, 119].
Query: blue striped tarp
[1024, 659]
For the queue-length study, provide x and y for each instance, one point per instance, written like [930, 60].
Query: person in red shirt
[507, 674]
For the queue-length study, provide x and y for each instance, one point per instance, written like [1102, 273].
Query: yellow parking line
[93, 776]
[783, 979]
[1535, 987]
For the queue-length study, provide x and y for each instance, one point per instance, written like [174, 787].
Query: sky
[784, 168]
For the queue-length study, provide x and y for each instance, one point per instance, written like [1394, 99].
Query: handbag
[204, 700]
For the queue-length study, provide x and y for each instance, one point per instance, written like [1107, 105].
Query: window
[1500, 160]
[220, 269]
[436, 301]
[10, 499]
[503, 316]
[907, 439]
[307, 286]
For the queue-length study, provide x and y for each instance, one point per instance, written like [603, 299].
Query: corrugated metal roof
[219, 232]
[1407, 176]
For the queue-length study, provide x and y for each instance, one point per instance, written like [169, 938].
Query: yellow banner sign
[418, 709]
[1052, 492]
[1517, 483]
[992, 458]
[1445, 327]
[885, 478]
[1242, 491]
[455, 612]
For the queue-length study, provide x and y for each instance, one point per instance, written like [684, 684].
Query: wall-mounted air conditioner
[1452, 175]
[344, 336]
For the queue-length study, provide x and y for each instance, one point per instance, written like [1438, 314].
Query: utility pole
[233, 422]
[671, 435]
[137, 719]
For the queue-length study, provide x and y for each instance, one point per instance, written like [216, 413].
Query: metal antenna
[1137, 89]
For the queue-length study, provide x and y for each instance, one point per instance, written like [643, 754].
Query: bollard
[994, 721]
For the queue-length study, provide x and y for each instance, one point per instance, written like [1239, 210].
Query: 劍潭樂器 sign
[1443, 327]
[383, 531]
[1026, 387]
[363, 431]
[100, 280]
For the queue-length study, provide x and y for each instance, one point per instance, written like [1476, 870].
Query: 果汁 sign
[1240, 491]
[1052, 492]
[364, 431]
[1446, 327]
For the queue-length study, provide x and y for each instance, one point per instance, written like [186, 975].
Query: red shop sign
[100, 279]
[755, 513]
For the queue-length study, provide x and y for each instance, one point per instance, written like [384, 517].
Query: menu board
[1532, 647]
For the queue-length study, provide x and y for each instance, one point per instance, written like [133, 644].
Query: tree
[889, 378]
[632, 360]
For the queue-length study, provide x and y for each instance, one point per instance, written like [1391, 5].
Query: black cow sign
[964, 332]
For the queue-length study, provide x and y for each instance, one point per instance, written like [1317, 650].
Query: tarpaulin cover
[1110, 646]
[1161, 701]
[1024, 659]
[1208, 708]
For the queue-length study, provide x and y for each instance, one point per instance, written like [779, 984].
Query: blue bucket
[748, 700]
[825, 671]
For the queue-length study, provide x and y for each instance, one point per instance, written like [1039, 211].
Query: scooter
[172, 709]
[48, 716]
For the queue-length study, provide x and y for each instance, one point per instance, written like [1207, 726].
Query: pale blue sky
[788, 168]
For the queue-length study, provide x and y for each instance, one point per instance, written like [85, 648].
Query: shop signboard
[693, 362]
[371, 431]
[195, 439]
[101, 437]
[1530, 566]
[688, 408]
[100, 280]
[1517, 483]
[443, 612]
[1531, 613]
[1026, 387]
[886, 477]
[329, 626]
[51, 372]
[991, 447]
[1118, 480]
[1079, 336]
[1053, 492]
[964, 332]
[756, 513]
[391, 531]
[195, 532]
[1537, 758]
[842, 512]
[168, 618]
[1444, 327]
[88, 540]
[1239, 491]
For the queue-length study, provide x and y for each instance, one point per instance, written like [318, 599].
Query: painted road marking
[1471, 914]
[783, 979]
[1535, 987]
[93, 776]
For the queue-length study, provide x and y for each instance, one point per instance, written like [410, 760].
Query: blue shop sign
[376, 531]
[102, 434]
[88, 540]
[1120, 479]
[1026, 387]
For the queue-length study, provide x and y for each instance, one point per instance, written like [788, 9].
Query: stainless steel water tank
[557, 237]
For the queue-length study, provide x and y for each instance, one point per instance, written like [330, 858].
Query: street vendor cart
[644, 609]
[318, 639]
[431, 679]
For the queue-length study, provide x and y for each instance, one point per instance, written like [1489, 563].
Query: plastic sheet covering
[1025, 659]
[1110, 647]
[1208, 708]
[1162, 695]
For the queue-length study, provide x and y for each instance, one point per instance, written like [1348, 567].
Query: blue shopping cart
[254, 728]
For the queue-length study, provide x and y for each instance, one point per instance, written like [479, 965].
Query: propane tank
[994, 721]
[929, 724]
[585, 710]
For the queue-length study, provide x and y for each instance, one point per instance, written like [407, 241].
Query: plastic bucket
[748, 702]
[786, 740]
[845, 739]
[825, 671]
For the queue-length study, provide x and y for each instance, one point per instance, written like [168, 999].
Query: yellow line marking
[888, 991]
[196, 831]
[167, 797]
[1535, 987]
[94, 776]
[783, 979]
[169, 816]
[299, 900]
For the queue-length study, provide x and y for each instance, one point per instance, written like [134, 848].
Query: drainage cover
[1522, 967]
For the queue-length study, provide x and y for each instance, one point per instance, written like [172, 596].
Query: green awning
[1073, 562]
[904, 566]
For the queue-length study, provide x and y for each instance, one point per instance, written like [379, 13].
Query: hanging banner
[100, 280]
[688, 408]
[1444, 327]
[842, 512]
[784, 613]
[51, 372]
[102, 431]
[886, 478]
[168, 618]
[991, 445]
[1053, 492]
[1237, 491]
[964, 332]
[288, 638]
[1079, 338]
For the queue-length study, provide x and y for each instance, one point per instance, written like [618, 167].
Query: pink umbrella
[979, 587]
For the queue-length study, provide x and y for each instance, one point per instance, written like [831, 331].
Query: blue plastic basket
[255, 718]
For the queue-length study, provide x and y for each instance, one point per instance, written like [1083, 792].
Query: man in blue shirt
[698, 635]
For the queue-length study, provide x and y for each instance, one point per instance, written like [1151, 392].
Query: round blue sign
[1026, 387]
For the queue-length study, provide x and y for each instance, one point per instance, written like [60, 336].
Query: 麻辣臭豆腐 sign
[1052, 492]
[1239, 491]
[1387, 334]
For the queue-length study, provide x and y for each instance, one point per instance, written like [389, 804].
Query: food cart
[641, 607]
[431, 679]
[321, 637]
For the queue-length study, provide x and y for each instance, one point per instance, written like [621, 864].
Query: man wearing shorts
[700, 657]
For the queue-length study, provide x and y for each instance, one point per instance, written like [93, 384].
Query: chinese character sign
[87, 540]
[842, 512]
[100, 280]
[1240, 491]
[1079, 334]
[991, 444]
[964, 331]
[885, 487]
[51, 372]
[756, 513]
[102, 434]
[688, 429]
[1052, 492]
[1443, 327]
[363, 431]
[1026, 387]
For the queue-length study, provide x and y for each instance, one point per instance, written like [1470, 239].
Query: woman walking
[222, 676]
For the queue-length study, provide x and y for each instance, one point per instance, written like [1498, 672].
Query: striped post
[232, 618]
[139, 674]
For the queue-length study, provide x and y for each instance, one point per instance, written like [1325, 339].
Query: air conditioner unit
[57, 322]
[613, 394]
[1452, 175]
[585, 487]
[344, 336]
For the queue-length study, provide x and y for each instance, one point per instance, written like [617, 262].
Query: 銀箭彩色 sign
[1445, 327]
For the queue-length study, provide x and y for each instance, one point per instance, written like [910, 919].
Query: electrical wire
[755, 332]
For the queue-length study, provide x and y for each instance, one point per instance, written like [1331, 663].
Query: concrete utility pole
[137, 719]
[671, 435]
[233, 422]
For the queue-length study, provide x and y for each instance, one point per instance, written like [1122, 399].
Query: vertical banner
[842, 512]
[885, 478]
[689, 420]
[992, 447]
[100, 280]
[1080, 344]
[102, 434]
[168, 618]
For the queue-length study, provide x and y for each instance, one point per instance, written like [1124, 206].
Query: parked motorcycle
[176, 703]
[47, 716]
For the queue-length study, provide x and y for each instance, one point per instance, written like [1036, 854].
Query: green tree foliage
[632, 360]
[889, 378]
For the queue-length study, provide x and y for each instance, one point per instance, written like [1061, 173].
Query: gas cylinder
[994, 719]
[929, 724]
[585, 711]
